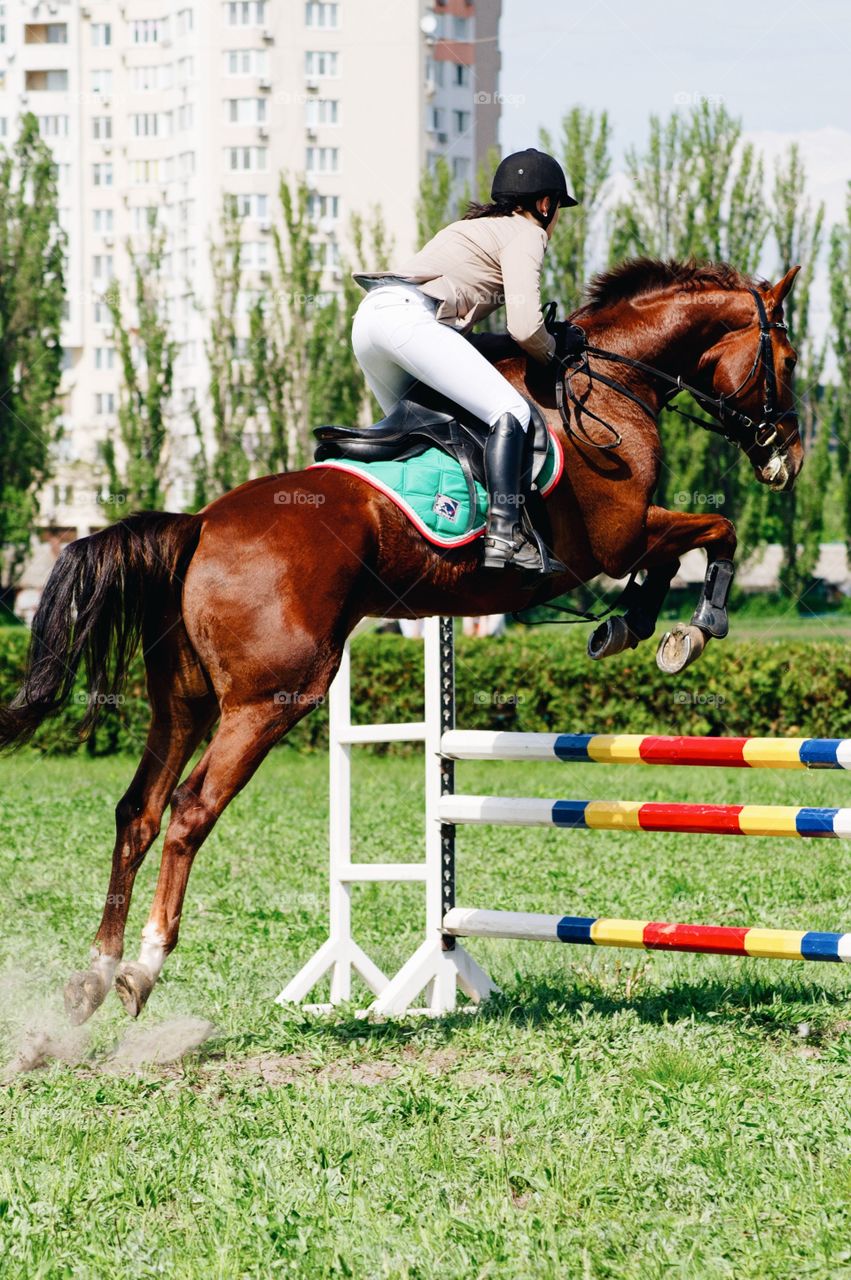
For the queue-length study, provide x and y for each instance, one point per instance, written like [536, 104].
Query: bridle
[734, 425]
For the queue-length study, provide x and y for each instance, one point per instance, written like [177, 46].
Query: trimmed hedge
[532, 681]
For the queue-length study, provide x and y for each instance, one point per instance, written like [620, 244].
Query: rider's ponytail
[495, 209]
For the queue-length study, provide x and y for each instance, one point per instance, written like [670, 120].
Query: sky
[781, 66]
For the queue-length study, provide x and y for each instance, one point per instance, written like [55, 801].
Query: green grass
[612, 1114]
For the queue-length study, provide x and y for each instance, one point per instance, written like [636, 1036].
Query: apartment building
[169, 105]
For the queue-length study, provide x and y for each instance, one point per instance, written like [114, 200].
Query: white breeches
[397, 342]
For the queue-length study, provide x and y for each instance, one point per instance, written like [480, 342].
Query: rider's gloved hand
[570, 340]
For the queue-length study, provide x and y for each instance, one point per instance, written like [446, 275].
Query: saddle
[426, 419]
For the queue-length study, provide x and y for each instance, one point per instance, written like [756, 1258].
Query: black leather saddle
[425, 419]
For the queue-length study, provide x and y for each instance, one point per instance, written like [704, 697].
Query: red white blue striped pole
[772, 944]
[634, 748]
[635, 815]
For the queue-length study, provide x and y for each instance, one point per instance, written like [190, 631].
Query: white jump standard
[441, 966]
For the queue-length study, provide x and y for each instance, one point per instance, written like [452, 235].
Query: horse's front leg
[668, 535]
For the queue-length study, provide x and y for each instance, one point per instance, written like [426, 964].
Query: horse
[242, 609]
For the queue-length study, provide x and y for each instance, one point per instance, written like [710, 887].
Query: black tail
[92, 611]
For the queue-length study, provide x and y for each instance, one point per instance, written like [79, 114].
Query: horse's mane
[638, 276]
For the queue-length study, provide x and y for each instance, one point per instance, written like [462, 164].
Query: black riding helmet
[527, 175]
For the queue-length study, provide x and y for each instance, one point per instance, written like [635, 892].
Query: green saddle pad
[432, 491]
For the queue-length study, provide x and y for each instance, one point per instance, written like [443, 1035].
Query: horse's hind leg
[248, 730]
[177, 726]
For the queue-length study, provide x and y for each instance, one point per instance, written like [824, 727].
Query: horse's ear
[778, 291]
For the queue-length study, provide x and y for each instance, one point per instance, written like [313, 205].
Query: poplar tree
[32, 296]
[839, 396]
[583, 149]
[137, 455]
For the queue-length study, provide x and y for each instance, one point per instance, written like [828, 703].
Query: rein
[734, 425]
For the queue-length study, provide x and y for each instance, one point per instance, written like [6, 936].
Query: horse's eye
[791, 361]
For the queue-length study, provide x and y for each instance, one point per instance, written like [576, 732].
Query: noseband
[734, 425]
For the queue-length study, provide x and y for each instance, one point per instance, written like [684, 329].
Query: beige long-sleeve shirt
[478, 264]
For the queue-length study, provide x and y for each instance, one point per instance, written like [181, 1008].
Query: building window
[52, 126]
[46, 81]
[102, 266]
[46, 33]
[434, 72]
[185, 69]
[435, 119]
[247, 159]
[253, 253]
[460, 169]
[245, 110]
[249, 204]
[145, 171]
[185, 116]
[319, 13]
[102, 128]
[104, 357]
[246, 62]
[102, 82]
[321, 207]
[148, 30]
[322, 159]
[457, 28]
[104, 403]
[102, 219]
[4, 126]
[186, 164]
[461, 121]
[246, 13]
[101, 33]
[145, 124]
[185, 21]
[321, 111]
[102, 174]
[319, 62]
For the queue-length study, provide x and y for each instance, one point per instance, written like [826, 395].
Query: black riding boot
[505, 542]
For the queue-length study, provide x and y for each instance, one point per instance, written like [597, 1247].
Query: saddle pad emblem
[446, 507]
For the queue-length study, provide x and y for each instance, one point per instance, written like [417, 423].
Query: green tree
[583, 148]
[697, 192]
[302, 367]
[338, 388]
[222, 461]
[137, 458]
[839, 398]
[798, 231]
[435, 206]
[32, 295]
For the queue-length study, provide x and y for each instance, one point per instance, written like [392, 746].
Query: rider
[409, 328]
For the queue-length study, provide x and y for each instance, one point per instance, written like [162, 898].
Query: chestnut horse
[243, 609]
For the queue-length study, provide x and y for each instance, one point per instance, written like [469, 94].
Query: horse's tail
[92, 611]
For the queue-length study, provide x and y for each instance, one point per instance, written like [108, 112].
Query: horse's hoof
[679, 648]
[611, 637]
[85, 991]
[133, 984]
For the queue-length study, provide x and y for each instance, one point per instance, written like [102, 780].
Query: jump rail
[441, 965]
